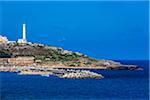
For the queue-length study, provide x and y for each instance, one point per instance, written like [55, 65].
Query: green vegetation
[44, 53]
[88, 63]
[74, 64]
[4, 54]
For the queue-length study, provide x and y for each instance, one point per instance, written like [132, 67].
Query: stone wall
[3, 60]
[18, 60]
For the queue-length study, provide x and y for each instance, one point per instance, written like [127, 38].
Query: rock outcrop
[15, 54]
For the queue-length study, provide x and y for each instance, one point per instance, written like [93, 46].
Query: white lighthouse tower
[24, 34]
[23, 40]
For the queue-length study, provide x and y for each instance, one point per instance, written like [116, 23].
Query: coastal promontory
[39, 59]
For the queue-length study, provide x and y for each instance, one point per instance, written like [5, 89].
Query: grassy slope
[46, 54]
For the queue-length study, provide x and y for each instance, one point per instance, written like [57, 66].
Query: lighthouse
[24, 33]
[23, 40]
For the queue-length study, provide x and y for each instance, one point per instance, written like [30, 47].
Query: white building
[23, 40]
[3, 39]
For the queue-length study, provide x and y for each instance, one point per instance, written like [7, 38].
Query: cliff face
[24, 54]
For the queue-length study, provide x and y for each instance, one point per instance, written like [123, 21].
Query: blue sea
[117, 85]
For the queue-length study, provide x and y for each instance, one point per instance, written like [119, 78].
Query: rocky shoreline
[40, 59]
[61, 73]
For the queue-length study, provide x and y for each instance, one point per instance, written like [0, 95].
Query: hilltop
[51, 56]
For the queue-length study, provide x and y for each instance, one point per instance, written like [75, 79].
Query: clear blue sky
[104, 30]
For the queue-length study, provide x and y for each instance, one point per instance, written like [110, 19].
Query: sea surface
[117, 85]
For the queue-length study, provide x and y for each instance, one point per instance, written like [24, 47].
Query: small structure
[22, 60]
[3, 39]
[23, 40]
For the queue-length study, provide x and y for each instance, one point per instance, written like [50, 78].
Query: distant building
[23, 40]
[3, 39]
